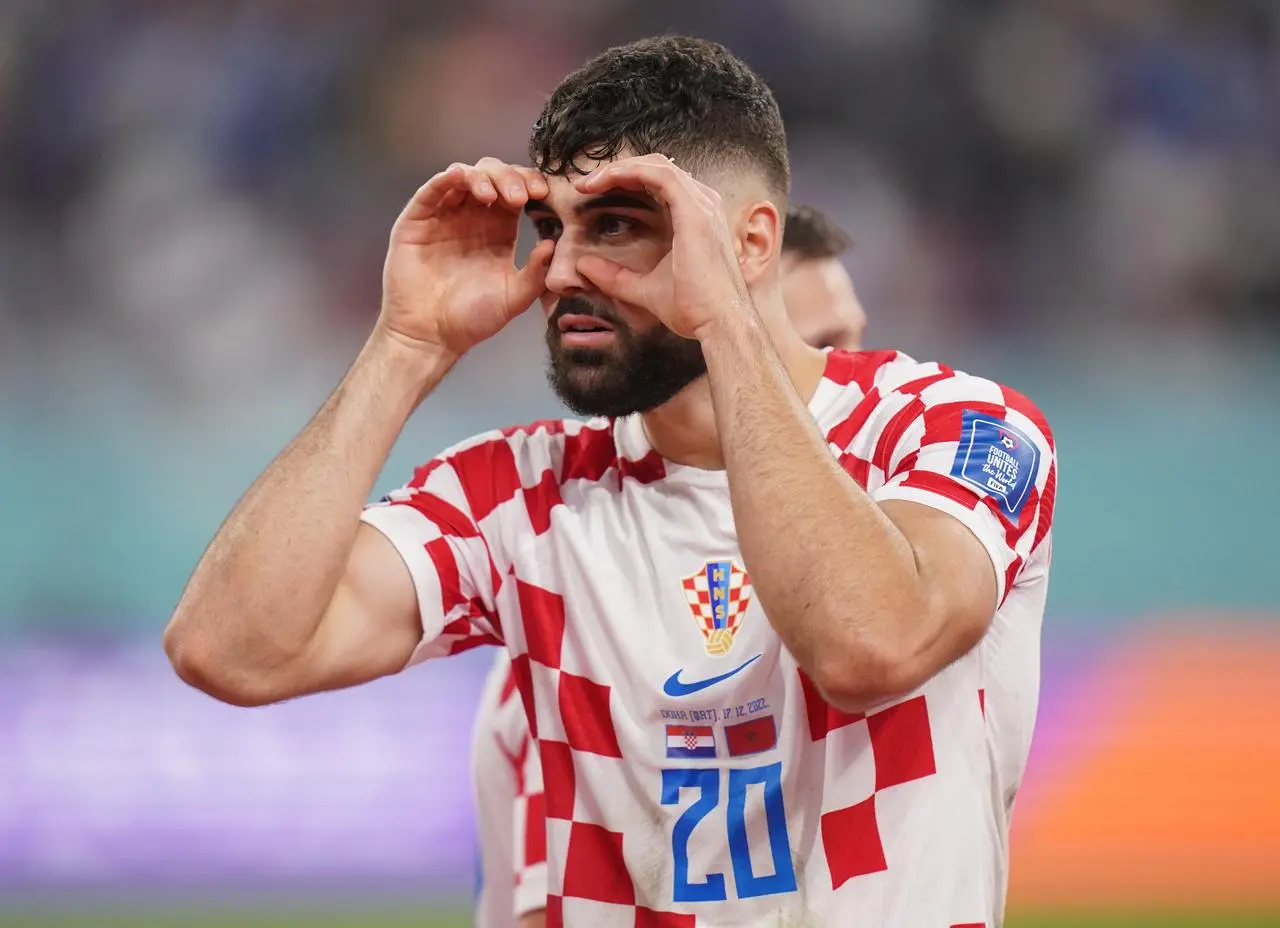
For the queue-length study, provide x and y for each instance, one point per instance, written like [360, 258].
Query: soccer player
[506, 771]
[773, 612]
[821, 303]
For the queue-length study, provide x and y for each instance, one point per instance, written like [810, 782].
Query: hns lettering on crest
[718, 595]
[997, 459]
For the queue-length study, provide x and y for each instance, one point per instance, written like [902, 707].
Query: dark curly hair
[690, 99]
[811, 234]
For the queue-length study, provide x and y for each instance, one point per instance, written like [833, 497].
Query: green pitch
[372, 918]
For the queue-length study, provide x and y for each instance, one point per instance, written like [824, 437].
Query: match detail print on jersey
[719, 595]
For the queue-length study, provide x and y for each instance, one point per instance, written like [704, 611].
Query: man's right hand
[450, 279]
[294, 594]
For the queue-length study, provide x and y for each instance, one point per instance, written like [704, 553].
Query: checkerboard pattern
[901, 744]
[892, 423]
[915, 418]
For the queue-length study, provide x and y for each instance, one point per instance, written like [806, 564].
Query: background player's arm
[294, 594]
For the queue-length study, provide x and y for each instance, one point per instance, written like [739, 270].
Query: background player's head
[700, 105]
[823, 307]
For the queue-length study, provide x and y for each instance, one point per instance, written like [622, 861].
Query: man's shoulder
[531, 436]
[534, 443]
[891, 395]
[892, 379]
[501, 462]
[886, 372]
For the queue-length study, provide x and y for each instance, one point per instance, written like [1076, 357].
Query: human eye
[609, 226]
[546, 228]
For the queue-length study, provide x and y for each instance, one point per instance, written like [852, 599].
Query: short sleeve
[431, 524]
[982, 453]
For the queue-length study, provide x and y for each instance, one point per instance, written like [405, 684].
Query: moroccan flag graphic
[751, 737]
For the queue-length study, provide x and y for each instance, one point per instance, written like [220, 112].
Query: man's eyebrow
[614, 199]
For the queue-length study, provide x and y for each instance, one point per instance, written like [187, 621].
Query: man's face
[607, 358]
[614, 359]
[821, 302]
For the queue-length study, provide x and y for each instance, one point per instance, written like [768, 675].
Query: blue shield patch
[996, 459]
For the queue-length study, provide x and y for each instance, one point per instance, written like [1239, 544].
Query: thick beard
[639, 372]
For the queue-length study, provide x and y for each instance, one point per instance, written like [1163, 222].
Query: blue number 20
[707, 782]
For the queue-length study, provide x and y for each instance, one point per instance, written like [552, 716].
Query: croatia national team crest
[719, 595]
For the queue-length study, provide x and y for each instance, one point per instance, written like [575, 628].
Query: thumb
[614, 280]
[530, 280]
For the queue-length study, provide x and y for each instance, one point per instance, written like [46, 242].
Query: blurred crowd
[194, 196]
[1080, 198]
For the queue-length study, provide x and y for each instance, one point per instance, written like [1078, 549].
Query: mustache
[581, 306]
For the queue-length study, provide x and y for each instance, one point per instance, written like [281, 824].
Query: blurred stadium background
[1079, 197]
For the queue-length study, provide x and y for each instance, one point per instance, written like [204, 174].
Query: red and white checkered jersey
[510, 811]
[693, 776]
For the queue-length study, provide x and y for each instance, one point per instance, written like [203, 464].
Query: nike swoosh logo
[673, 686]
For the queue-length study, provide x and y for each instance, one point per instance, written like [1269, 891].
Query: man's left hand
[698, 281]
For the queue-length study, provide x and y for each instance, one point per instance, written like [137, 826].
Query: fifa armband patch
[997, 460]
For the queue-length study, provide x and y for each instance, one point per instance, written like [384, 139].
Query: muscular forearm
[833, 573]
[262, 587]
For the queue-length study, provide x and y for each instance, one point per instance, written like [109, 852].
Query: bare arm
[872, 599]
[294, 595]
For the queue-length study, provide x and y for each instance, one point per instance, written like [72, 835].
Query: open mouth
[579, 331]
[577, 324]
